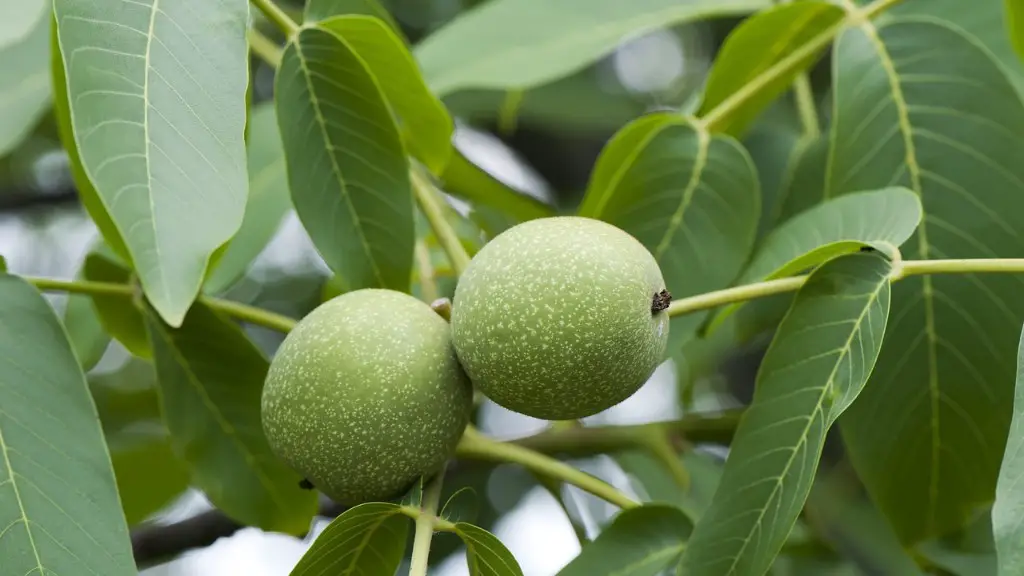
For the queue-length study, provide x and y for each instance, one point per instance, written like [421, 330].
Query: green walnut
[561, 318]
[366, 395]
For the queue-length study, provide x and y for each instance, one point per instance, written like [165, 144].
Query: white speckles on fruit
[553, 317]
[365, 395]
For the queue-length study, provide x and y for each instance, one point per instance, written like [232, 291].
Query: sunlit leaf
[918, 104]
[690, 197]
[25, 89]
[758, 43]
[642, 541]
[424, 119]
[347, 169]
[366, 539]
[518, 44]
[157, 102]
[485, 554]
[60, 511]
[211, 380]
[817, 364]
[267, 205]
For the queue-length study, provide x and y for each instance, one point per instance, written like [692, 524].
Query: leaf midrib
[4, 448]
[825, 390]
[661, 555]
[699, 163]
[150, 35]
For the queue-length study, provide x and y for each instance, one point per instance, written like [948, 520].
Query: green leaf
[157, 103]
[468, 181]
[118, 315]
[1015, 24]
[642, 541]
[25, 89]
[918, 104]
[1008, 510]
[347, 170]
[757, 44]
[60, 508]
[3, 263]
[366, 539]
[519, 44]
[804, 184]
[21, 17]
[659, 485]
[425, 120]
[211, 380]
[268, 202]
[86, 334]
[815, 367]
[690, 197]
[485, 554]
[772, 149]
[317, 10]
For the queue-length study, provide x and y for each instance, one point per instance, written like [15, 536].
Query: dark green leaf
[758, 43]
[1008, 510]
[347, 170]
[425, 121]
[771, 149]
[918, 104]
[804, 183]
[642, 541]
[367, 539]
[485, 554]
[157, 99]
[25, 89]
[211, 380]
[60, 508]
[519, 44]
[690, 197]
[817, 364]
[85, 331]
[464, 179]
[960, 563]
[118, 315]
[317, 10]
[267, 205]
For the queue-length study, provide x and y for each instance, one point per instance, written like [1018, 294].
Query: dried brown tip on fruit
[661, 301]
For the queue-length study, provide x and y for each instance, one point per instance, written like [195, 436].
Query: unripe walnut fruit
[561, 318]
[366, 395]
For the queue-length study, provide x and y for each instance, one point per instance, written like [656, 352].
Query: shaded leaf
[658, 484]
[468, 181]
[960, 563]
[1008, 510]
[211, 380]
[485, 554]
[690, 197]
[519, 44]
[347, 170]
[86, 334]
[424, 119]
[157, 99]
[267, 205]
[322, 9]
[642, 541]
[366, 539]
[817, 364]
[118, 315]
[61, 513]
[25, 89]
[758, 43]
[918, 104]
[771, 149]
[804, 184]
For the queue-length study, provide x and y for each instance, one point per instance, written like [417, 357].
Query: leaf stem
[735, 294]
[264, 48]
[806, 107]
[477, 446]
[277, 16]
[446, 236]
[425, 524]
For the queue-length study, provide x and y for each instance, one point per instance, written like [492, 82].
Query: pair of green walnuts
[556, 318]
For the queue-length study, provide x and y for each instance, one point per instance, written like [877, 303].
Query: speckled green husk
[365, 395]
[552, 318]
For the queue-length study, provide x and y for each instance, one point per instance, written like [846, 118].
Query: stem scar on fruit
[661, 301]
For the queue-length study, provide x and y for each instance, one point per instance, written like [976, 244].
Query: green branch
[430, 205]
[425, 524]
[277, 16]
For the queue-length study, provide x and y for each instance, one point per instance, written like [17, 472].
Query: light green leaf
[86, 334]
[918, 104]
[268, 202]
[21, 17]
[58, 501]
[425, 121]
[1015, 24]
[25, 89]
[366, 539]
[157, 104]
[317, 10]
[211, 380]
[347, 170]
[466, 180]
[118, 315]
[1008, 510]
[519, 44]
[485, 554]
[690, 197]
[642, 541]
[757, 44]
[817, 364]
